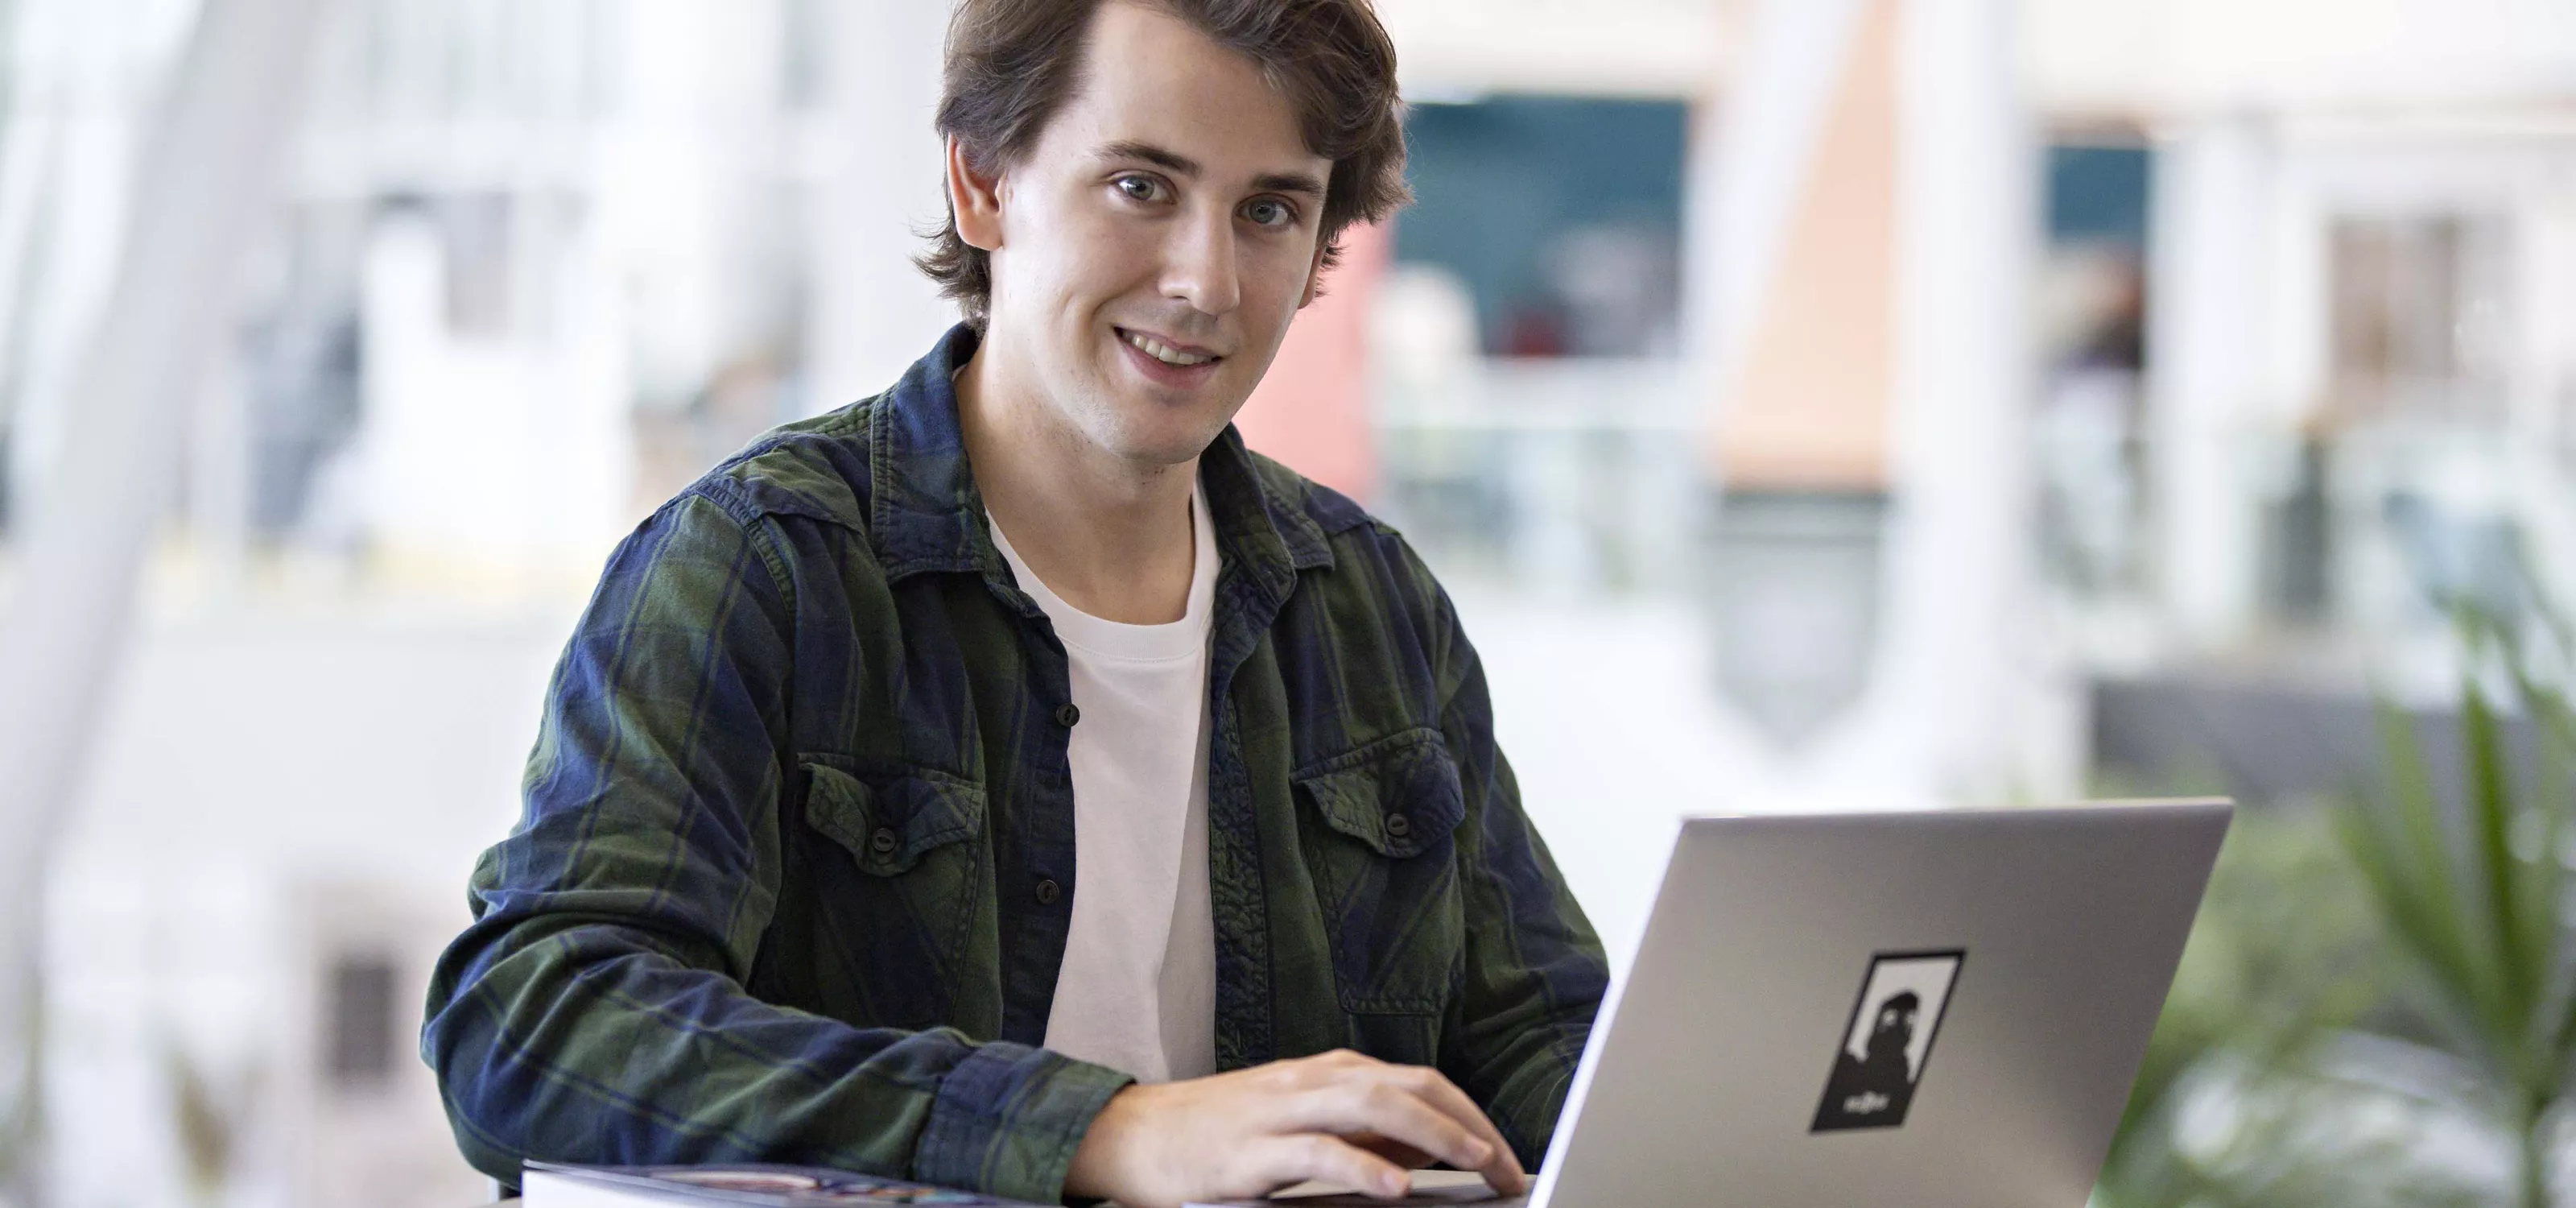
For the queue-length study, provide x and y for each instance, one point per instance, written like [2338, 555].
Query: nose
[1199, 266]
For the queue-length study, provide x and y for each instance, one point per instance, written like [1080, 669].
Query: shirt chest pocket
[905, 884]
[1386, 870]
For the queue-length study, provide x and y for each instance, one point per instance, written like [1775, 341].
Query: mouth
[1168, 352]
[1167, 361]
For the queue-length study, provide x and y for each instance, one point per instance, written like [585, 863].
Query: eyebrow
[1271, 182]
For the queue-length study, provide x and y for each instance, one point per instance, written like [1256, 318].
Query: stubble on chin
[1126, 430]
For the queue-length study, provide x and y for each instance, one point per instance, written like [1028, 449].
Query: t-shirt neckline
[1184, 638]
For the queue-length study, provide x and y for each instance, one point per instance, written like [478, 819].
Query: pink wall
[1311, 410]
[1810, 406]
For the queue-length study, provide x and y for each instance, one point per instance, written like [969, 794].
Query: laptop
[1938, 1010]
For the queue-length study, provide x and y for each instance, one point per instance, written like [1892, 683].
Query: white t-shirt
[1137, 991]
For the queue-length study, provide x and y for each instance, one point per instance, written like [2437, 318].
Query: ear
[974, 200]
[1314, 278]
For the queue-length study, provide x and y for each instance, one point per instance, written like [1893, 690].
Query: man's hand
[1338, 1117]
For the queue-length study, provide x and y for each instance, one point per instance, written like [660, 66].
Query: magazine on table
[744, 1185]
[1431, 1189]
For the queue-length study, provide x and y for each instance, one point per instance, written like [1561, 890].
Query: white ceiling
[2133, 59]
[1455, 48]
[2163, 57]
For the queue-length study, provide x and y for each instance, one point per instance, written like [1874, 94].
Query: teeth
[1163, 352]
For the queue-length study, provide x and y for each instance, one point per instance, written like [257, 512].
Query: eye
[1139, 188]
[1270, 212]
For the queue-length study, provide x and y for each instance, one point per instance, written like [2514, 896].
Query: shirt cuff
[1008, 1119]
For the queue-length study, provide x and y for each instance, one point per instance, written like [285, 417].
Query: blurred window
[303, 356]
[485, 59]
[2098, 193]
[2418, 421]
[804, 40]
[474, 231]
[2090, 429]
[358, 1041]
[1562, 215]
[2418, 316]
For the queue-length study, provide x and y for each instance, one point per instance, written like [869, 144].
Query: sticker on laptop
[1888, 1040]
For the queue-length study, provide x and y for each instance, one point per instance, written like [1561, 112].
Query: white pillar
[206, 174]
[2206, 311]
[872, 313]
[1973, 708]
[1966, 701]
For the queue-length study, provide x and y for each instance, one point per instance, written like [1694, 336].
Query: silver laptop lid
[1934, 1010]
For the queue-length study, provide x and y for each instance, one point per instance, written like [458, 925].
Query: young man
[797, 879]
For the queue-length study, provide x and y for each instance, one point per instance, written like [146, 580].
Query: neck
[1108, 535]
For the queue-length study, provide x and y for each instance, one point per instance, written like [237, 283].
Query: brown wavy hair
[1011, 64]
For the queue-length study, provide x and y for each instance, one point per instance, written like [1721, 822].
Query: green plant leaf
[2419, 922]
[2491, 816]
[2544, 882]
[2419, 882]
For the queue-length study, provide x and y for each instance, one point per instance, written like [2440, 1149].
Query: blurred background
[1812, 405]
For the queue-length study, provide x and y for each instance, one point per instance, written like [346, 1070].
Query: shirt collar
[927, 515]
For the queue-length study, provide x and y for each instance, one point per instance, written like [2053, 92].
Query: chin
[1151, 432]
[1161, 447]
[1142, 431]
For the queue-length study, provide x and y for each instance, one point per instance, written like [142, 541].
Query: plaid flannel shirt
[797, 858]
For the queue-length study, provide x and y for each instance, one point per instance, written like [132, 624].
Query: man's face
[1155, 242]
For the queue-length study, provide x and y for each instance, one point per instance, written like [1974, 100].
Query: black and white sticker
[1889, 1040]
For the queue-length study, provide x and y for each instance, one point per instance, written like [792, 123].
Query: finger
[1397, 1152]
[1504, 1173]
[1326, 1069]
[1503, 1168]
[1376, 1105]
[1434, 1088]
[1294, 1159]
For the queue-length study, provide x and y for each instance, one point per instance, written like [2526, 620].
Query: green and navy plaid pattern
[797, 859]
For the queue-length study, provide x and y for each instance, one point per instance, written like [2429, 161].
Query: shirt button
[1066, 715]
[1398, 825]
[883, 841]
[1048, 892]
